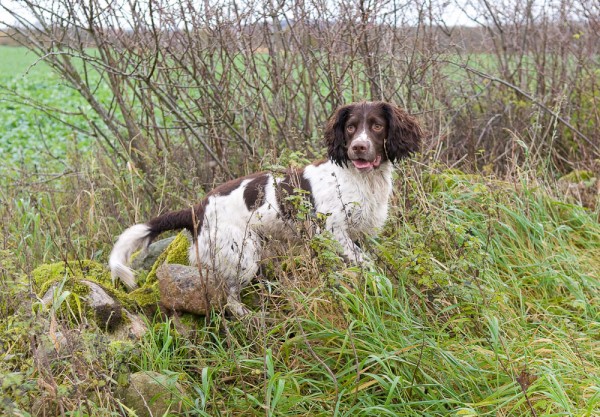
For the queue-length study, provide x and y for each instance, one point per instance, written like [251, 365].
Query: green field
[17, 62]
[39, 114]
[481, 297]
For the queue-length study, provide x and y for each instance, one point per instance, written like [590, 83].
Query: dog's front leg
[338, 226]
[350, 250]
[234, 305]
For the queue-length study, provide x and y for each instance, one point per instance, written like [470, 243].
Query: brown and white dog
[352, 188]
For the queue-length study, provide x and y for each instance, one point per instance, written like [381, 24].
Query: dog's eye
[350, 129]
[377, 127]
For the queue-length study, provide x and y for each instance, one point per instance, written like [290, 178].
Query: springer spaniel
[351, 188]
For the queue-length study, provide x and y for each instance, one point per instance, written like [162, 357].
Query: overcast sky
[452, 15]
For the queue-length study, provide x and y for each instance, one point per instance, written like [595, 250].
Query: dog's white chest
[355, 201]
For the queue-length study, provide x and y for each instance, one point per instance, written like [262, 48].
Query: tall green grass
[480, 298]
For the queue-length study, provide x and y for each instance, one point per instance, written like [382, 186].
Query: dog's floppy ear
[335, 136]
[404, 133]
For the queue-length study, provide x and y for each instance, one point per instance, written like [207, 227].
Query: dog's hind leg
[233, 254]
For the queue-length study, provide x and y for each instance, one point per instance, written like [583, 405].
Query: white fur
[356, 201]
[130, 240]
[362, 136]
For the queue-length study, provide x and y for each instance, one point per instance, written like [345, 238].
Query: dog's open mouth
[364, 165]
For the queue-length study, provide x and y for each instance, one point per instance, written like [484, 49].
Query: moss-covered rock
[44, 276]
[88, 289]
[89, 292]
[185, 289]
[146, 298]
[144, 260]
[176, 253]
[152, 394]
[578, 175]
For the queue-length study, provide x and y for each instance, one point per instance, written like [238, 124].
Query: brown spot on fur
[228, 187]
[192, 218]
[405, 133]
[293, 181]
[320, 162]
[254, 193]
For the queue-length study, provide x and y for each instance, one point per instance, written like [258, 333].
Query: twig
[531, 98]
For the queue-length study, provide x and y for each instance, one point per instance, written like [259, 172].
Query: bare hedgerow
[211, 89]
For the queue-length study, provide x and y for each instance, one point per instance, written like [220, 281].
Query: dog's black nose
[360, 146]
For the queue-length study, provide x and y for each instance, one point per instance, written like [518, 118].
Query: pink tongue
[360, 164]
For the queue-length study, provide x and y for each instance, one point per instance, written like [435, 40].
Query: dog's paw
[236, 308]
[355, 257]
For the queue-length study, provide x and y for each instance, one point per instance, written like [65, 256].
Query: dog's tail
[140, 236]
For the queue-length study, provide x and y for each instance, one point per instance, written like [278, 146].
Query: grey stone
[146, 259]
[183, 289]
[152, 394]
[108, 312]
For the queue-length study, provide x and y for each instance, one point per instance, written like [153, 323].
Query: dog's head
[370, 133]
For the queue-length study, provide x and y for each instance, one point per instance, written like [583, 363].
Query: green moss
[73, 273]
[146, 296]
[45, 276]
[176, 253]
[134, 256]
[191, 321]
[450, 179]
[577, 176]
[124, 356]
